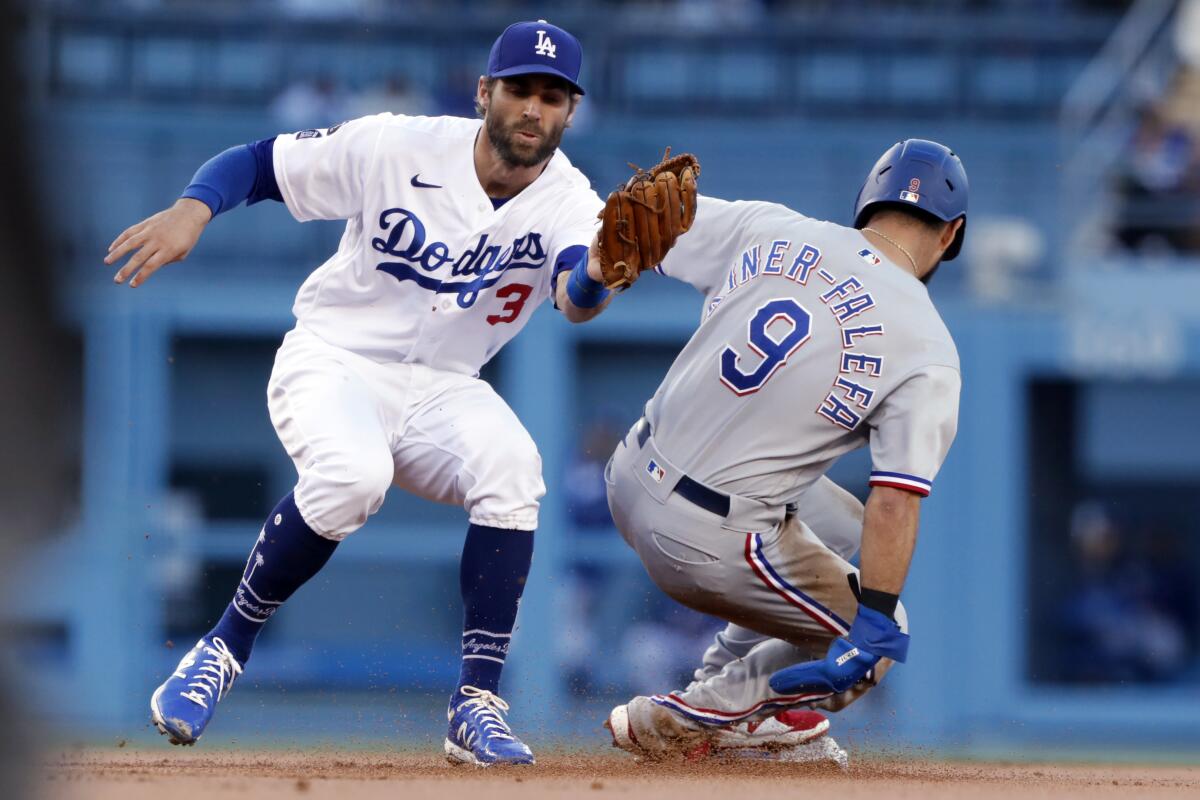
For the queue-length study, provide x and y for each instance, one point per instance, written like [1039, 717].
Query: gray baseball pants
[785, 592]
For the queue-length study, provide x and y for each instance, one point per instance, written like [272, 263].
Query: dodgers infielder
[456, 231]
[817, 339]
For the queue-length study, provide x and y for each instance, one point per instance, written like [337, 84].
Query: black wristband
[883, 602]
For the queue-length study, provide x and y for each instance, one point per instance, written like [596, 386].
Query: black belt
[701, 495]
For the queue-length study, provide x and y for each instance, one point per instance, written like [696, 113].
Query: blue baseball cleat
[480, 736]
[182, 707]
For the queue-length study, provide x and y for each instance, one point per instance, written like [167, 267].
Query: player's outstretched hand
[872, 636]
[159, 240]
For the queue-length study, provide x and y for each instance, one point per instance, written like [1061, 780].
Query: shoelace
[216, 674]
[485, 709]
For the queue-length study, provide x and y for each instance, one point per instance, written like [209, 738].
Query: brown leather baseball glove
[641, 220]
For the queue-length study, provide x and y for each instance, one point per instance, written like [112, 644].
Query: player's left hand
[872, 636]
[641, 221]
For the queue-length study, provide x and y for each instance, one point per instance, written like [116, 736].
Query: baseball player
[817, 339]
[456, 231]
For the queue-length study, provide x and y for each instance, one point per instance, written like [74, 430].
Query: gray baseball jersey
[811, 345]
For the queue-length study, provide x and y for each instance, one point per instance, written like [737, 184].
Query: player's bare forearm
[889, 535]
[159, 240]
[889, 538]
[571, 311]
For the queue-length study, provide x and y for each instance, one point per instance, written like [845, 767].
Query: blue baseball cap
[536, 47]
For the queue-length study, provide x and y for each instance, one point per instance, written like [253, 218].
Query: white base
[819, 751]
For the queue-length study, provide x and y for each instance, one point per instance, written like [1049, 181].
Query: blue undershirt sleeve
[567, 259]
[265, 185]
[246, 172]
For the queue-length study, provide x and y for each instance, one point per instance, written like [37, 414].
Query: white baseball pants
[354, 427]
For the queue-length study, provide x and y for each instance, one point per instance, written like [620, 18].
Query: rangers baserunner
[817, 339]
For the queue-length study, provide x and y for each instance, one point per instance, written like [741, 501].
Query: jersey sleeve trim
[265, 186]
[900, 480]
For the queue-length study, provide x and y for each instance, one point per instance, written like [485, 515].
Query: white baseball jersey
[811, 346]
[428, 271]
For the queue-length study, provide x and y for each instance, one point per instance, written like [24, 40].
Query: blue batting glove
[872, 636]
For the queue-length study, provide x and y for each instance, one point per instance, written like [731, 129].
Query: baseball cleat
[663, 731]
[183, 706]
[622, 734]
[785, 729]
[479, 735]
[648, 730]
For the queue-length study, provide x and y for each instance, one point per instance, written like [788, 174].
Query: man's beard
[502, 138]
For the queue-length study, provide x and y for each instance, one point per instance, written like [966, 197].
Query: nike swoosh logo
[416, 181]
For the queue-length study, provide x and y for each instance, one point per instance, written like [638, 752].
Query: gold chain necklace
[896, 245]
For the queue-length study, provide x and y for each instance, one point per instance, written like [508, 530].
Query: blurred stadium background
[1054, 596]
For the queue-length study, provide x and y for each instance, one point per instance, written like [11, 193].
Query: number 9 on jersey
[779, 313]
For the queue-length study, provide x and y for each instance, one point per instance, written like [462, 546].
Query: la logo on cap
[544, 47]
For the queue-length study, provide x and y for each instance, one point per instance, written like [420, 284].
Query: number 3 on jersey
[519, 292]
[780, 313]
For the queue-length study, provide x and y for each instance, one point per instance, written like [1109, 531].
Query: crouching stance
[456, 231]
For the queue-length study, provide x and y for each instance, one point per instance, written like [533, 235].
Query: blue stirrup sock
[495, 563]
[286, 555]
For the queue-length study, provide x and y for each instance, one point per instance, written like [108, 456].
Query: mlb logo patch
[869, 257]
[655, 471]
[911, 197]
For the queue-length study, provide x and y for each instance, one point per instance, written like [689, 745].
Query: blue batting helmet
[922, 174]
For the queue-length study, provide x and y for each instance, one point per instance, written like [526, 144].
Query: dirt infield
[132, 775]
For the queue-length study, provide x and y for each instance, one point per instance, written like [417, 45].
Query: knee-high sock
[495, 563]
[287, 554]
